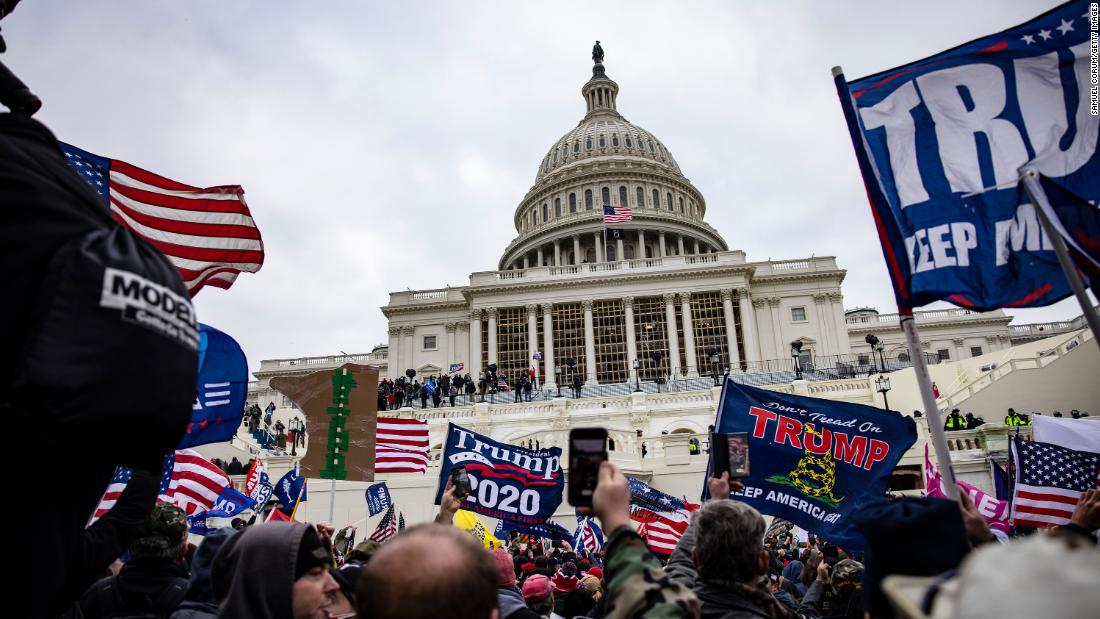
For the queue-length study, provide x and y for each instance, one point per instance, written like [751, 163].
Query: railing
[894, 319]
[429, 294]
[330, 360]
[543, 273]
[791, 265]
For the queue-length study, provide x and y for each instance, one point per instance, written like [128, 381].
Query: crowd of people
[454, 389]
[723, 566]
[956, 421]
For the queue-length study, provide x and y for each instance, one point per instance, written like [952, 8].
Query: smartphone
[730, 453]
[461, 481]
[587, 449]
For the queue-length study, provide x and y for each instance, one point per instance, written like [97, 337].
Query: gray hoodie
[253, 573]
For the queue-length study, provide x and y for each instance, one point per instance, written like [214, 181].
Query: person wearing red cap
[512, 604]
[538, 595]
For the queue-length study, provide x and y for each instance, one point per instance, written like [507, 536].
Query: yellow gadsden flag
[470, 522]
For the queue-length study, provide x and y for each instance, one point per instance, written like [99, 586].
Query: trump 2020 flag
[221, 389]
[290, 489]
[814, 462]
[378, 498]
[941, 143]
[509, 482]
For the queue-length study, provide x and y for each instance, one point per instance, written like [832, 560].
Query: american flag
[191, 482]
[1049, 482]
[617, 214]
[664, 517]
[400, 521]
[114, 490]
[401, 446]
[387, 527]
[188, 481]
[207, 233]
[661, 537]
[588, 535]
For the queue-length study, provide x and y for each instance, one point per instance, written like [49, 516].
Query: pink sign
[994, 511]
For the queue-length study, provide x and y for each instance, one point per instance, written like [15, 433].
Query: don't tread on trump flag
[814, 462]
[943, 143]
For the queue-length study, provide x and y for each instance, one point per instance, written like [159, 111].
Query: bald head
[430, 570]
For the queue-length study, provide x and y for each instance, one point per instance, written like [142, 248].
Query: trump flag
[220, 390]
[814, 462]
[941, 145]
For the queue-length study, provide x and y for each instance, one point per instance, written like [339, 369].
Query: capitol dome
[607, 161]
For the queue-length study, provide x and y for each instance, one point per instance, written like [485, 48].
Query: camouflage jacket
[636, 585]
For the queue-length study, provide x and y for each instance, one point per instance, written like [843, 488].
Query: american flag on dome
[207, 233]
[617, 214]
[401, 446]
[387, 527]
[1049, 482]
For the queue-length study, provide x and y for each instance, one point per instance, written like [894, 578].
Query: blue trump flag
[220, 390]
[378, 498]
[548, 529]
[509, 482]
[814, 462]
[941, 145]
[229, 503]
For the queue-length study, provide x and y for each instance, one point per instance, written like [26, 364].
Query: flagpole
[931, 409]
[298, 500]
[1046, 214]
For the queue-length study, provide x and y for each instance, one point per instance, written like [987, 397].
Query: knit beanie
[311, 553]
[506, 575]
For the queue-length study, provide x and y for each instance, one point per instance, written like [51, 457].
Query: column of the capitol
[748, 325]
[599, 247]
[452, 353]
[731, 329]
[673, 339]
[548, 346]
[533, 338]
[475, 344]
[631, 345]
[407, 348]
[491, 312]
[589, 344]
[577, 257]
[689, 335]
[393, 356]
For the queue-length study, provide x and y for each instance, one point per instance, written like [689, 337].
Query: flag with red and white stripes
[661, 537]
[617, 214]
[401, 446]
[188, 481]
[207, 233]
[191, 482]
[1050, 480]
[387, 527]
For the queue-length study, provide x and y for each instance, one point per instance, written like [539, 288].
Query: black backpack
[100, 333]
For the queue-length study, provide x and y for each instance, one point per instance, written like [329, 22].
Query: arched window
[605, 193]
[588, 199]
[641, 197]
[668, 201]
[555, 156]
[572, 203]
[622, 195]
[603, 141]
[648, 251]
[577, 146]
[681, 205]
[545, 211]
[588, 143]
[590, 254]
[629, 251]
[651, 149]
[557, 207]
[610, 249]
[656, 199]
[629, 143]
[615, 140]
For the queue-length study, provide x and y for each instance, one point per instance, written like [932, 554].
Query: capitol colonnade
[671, 335]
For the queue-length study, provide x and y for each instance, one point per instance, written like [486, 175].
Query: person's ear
[762, 561]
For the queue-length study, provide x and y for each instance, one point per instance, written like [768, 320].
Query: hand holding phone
[729, 453]
[461, 480]
[587, 449]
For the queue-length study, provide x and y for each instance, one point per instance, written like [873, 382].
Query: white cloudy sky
[384, 145]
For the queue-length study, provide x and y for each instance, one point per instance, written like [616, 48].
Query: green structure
[342, 384]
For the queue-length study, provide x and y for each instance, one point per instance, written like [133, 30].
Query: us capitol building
[645, 320]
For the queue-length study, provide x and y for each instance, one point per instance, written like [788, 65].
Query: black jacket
[145, 585]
